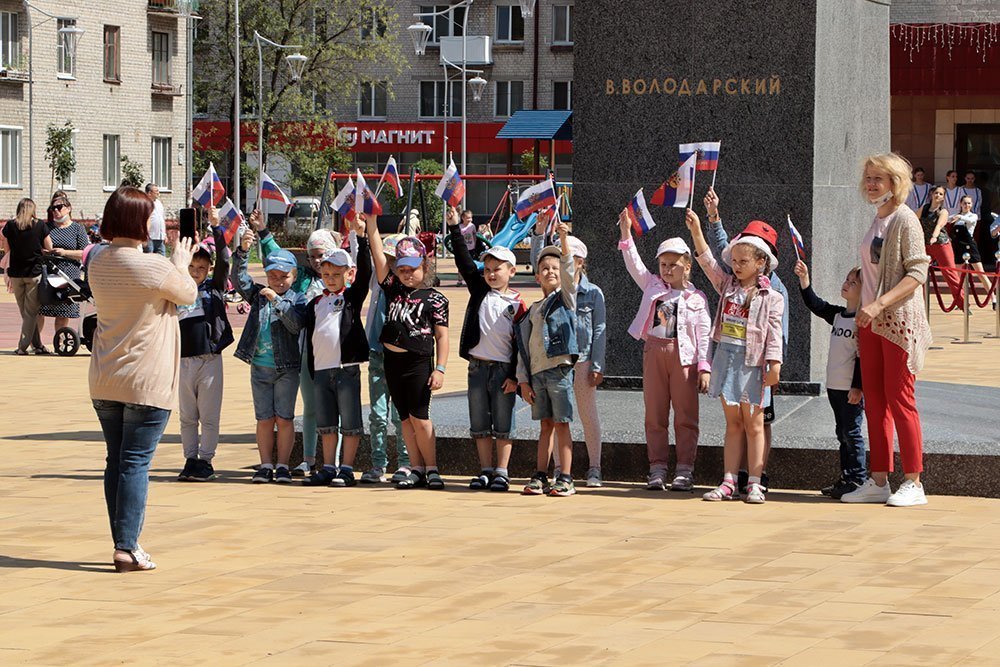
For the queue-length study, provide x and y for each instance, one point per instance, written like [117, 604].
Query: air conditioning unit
[479, 50]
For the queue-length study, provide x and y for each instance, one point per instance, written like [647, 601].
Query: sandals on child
[434, 481]
[500, 483]
[724, 491]
[479, 483]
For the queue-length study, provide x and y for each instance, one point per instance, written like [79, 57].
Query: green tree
[435, 207]
[132, 172]
[528, 162]
[59, 153]
[312, 150]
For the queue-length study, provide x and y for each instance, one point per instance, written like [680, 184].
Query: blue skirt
[732, 379]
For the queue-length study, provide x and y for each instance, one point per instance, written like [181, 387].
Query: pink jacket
[693, 321]
[764, 322]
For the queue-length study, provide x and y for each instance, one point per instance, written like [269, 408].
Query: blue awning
[545, 125]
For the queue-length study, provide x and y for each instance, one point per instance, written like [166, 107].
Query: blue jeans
[274, 392]
[553, 395]
[338, 401]
[158, 246]
[491, 411]
[308, 391]
[382, 411]
[852, 443]
[132, 433]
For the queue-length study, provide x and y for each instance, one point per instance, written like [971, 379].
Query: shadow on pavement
[32, 563]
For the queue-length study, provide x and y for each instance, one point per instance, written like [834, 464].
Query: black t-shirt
[411, 315]
[25, 248]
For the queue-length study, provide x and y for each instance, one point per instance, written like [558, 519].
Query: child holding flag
[674, 325]
[205, 333]
[748, 353]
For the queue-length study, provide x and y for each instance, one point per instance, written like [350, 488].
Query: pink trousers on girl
[666, 385]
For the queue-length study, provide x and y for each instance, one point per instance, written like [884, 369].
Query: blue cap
[280, 260]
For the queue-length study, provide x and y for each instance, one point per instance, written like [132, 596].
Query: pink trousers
[667, 384]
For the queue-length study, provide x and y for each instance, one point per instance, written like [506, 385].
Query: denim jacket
[290, 309]
[559, 314]
[591, 333]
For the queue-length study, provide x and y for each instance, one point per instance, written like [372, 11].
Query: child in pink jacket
[748, 353]
[674, 323]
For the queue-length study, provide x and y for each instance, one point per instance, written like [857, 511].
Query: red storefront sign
[374, 137]
[944, 59]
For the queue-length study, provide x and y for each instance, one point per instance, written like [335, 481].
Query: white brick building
[123, 92]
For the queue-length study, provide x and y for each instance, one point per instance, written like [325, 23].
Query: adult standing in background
[68, 241]
[26, 237]
[157, 222]
[135, 366]
[920, 193]
[952, 193]
[972, 191]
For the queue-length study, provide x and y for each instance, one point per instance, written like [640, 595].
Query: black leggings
[407, 375]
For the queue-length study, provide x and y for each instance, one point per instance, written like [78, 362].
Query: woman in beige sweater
[893, 334]
[136, 359]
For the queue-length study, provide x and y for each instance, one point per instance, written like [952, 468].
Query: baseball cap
[675, 245]
[502, 253]
[577, 247]
[389, 244]
[280, 260]
[547, 251]
[410, 252]
[338, 257]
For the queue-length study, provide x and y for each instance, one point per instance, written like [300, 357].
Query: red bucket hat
[763, 230]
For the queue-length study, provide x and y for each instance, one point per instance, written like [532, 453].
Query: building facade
[123, 91]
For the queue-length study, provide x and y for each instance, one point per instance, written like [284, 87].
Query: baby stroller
[56, 288]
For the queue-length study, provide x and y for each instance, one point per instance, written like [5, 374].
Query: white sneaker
[594, 478]
[869, 492]
[907, 495]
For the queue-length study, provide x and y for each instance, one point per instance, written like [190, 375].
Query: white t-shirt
[157, 222]
[919, 195]
[871, 253]
[326, 335]
[496, 326]
[664, 322]
[843, 352]
[953, 200]
[735, 314]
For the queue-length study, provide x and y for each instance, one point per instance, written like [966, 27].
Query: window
[372, 102]
[448, 24]
[161, 162]
[112, 53]
[10, 156]
[372, 23]
[562, 24]
[112, 161]
[509, 98]
[65, 63]
[510, 24]
[70, 182]
[10, 44]
[562, 95]
[432, 102]
[161, 58]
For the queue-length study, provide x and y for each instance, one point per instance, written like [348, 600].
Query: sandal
[500, 483]
[725, 491]
[132, 561]
[434, 481]
[755, 494]
[479, 483]
[412, 480]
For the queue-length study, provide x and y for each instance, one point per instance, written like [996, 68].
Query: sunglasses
[58, 207]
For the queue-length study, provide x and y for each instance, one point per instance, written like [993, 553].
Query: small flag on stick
[800, 247]
[677, 190]
[638, 214]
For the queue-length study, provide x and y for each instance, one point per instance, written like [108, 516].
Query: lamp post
[296, 62]
[71, 37]
[187, 11]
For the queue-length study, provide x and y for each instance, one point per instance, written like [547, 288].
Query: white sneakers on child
[908, 494]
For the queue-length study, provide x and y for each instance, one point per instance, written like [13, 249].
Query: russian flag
[800, 247]
[391, 176]
[270, 190]
[230, 219]
[677, 190]
[638, 215]
[536, 198]
[209, 190]
[364, 199]
[343, 203]
[451, 188]
[707, 152]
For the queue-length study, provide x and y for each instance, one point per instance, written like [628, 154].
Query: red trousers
[943, 254]
[890, 402]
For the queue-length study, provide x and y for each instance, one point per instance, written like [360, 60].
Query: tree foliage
[59, 152]
[132, 172]
[528, 162]
[311, 150]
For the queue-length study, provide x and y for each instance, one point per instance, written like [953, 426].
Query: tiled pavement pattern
[275, 575]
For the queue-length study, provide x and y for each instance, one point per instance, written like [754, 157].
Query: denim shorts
[491, 411]
[274, 392]
[338, 400]
[733, 380]
[553, 395]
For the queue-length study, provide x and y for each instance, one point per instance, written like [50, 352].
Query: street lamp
[71, 35]
[527, 7]
[296, 63]
[420, 32]
[478, 86]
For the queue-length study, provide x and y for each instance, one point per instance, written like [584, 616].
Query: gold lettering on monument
[670, 86]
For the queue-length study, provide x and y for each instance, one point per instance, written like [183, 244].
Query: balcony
[164, 7]
[166, 89]
[14, 76]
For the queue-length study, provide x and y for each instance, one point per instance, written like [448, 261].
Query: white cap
[675, 245]
[338, 257]
[577, 247]
[756, 242]
[502, 253]
[547, 251]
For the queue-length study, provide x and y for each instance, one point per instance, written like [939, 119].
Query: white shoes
[869, 492]
[907, 495]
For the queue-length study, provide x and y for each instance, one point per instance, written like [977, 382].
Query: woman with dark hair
[136, 358]
[26, 238]
[933, 218]
[68, 241]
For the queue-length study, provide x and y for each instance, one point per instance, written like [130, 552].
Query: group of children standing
[305, 330]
